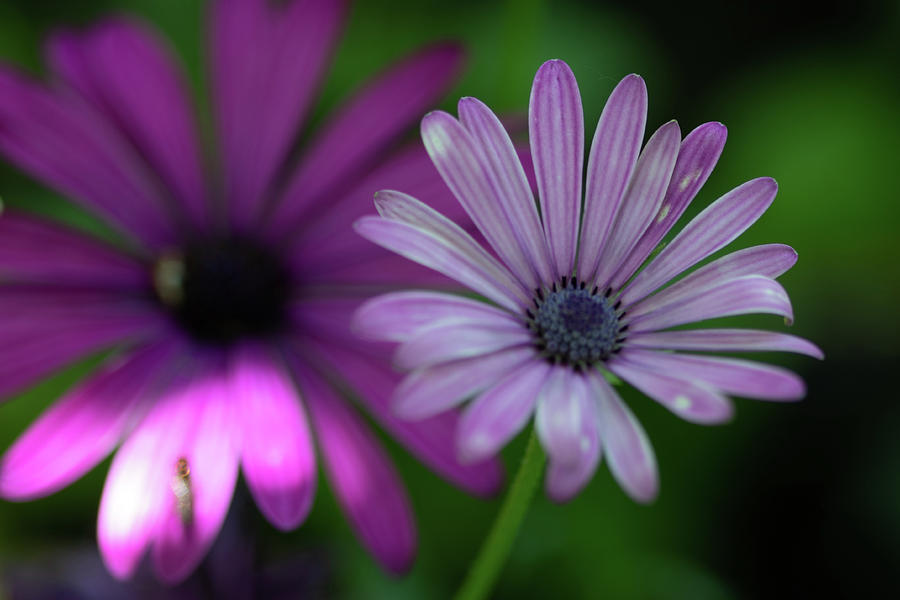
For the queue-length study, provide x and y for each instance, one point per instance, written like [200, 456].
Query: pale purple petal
[419, 233]
[35, 250]
[628, 451]
[211, 445]
[277, 455]
[82, 427]
[614, 151]
[468, 173]
[724, 340]
[361, 476]
[453, 341]
[730, 375]
[427, 392]
[642, 199]
[130, 75]
[64, 142]
[556, 133]
[398, 316]
[697, 157]
[266, 62]
[769, 260]
[691, 401]
[718, 224]
[362, 130]
[558, 416]
[745, 295]
[432, 440]
[509, 183]
[501, 412]
[565, 479]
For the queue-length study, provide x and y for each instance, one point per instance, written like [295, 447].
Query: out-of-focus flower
[570, 303]
[228, 313]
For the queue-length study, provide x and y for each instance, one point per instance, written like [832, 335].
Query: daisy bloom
[224, 313]
[568, 300]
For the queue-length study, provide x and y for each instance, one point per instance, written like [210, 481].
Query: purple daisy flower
[570, 300]
[227, 315]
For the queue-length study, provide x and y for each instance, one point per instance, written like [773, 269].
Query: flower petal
[718, 224]
[64, 142]
[769, 260]
[741, 296]
[462, 163]
[400, 316]
[83, 426]
[565, 479]
[628, 451]
[266, 61]
[429, 391]
[697, 157]
[556, 133]
[614, 151]
[642, 199]
[361, 475]
[498, 414]
[730, 375]
[420, 234]
[691, 401]
[34, 250]
[558, 416]
[277, 454]
[724, 340]
[128, 74]
[364, 127]
[453, 341]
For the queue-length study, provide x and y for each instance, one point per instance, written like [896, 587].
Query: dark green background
[787, 501]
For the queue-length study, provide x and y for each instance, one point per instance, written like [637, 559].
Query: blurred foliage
[787, 501]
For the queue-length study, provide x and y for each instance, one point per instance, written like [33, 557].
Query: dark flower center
[222, 290]
[576, 326]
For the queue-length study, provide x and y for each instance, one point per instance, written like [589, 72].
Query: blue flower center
[223, 290]
[575, 326]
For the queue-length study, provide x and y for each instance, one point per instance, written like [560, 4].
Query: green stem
[493, 554]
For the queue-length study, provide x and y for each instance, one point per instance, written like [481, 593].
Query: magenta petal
[267, 59]
[691, 401]
[614, 151]
[453, 341]
[427, 392]
[769, 260]
[556, 133]
[718, 224]
[128, 73]
[629, 454]
[399, 316]
[697, 157]
[730, 375]
[565, 479]
[210, 443]
[82, 427]
[64, 142]
[745, 295]
[277, 454]
[361, 475]
[432, 440]
[724, 340]
[498, 414]
[362, 129]
[642, 199]
[34, 250]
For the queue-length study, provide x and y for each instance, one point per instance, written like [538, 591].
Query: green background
[799, 500]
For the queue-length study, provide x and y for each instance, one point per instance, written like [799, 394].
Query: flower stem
[493, 554]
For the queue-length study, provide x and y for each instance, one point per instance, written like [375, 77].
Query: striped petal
[565, 479]
[453, 341]
[724, 340]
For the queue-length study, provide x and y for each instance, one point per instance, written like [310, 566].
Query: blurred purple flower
[568, 305]
[229, 312]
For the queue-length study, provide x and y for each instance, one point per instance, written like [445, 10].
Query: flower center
[575, 326]
[222, 290]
